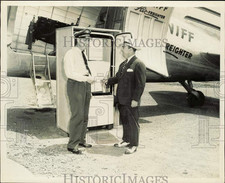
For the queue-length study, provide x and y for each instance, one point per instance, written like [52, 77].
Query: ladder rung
[46, 105]
[42, 81]
[39, 65]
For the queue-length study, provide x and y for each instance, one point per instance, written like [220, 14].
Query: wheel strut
[194, 97]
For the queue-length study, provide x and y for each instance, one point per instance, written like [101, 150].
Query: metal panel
[147, 24]
[63, 112]
[133, 23]
[63, 13]
[156, 50]
[146, 27]
[101, 110]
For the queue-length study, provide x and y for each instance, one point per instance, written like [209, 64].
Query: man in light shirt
[78, 91]
[131, 79]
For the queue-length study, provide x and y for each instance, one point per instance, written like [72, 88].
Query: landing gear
[197, 99]
[194, 97]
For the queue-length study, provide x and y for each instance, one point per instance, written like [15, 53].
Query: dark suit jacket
[130, 84]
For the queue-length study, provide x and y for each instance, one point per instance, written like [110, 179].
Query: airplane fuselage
[191, 53]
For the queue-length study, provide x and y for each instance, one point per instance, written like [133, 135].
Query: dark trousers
[129, 117]
[79, 95]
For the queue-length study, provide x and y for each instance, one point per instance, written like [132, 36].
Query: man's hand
[90, 79]
[104, 81]
[134, 103]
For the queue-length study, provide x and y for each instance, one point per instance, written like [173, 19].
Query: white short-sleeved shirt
[74, 65]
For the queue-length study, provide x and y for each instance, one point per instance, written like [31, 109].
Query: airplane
[189, 49]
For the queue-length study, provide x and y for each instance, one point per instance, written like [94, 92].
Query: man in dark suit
[131, 78]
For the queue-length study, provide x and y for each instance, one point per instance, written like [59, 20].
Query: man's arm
[112, 81]
[140, 80]
[115, 79]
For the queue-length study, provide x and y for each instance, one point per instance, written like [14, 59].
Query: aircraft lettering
[181, 32]
[162, 8]
[178, 51]
[150, 13]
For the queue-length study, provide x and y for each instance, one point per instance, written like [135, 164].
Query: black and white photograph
[112, 91]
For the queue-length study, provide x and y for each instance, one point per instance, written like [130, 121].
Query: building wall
[64, 14]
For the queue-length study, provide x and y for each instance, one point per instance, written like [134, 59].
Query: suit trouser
[79, 95]
[129, 118]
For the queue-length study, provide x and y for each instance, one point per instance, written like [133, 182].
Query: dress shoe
[122, 144]
[86, 145]
[131, 150]
[74, 151]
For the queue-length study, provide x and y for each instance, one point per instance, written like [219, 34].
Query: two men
[131, 78]
[78, 91]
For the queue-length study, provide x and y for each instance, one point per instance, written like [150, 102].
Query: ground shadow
[175, 102]
[54, 150]
[108, 150]
[39, 123]
[42, 124]
[144, 121]
[103, 137]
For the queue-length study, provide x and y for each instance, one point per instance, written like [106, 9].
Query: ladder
[41, 77]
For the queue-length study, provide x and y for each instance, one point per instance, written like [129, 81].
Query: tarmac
[176, 141]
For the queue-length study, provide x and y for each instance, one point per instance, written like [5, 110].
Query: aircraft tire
[201, 98]
[194, 100]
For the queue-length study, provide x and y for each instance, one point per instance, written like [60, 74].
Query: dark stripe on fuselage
[202, 67]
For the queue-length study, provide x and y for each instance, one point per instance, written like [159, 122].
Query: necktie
[124, 65]
[85, 62]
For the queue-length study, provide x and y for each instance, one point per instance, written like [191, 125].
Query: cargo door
[148, 26]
